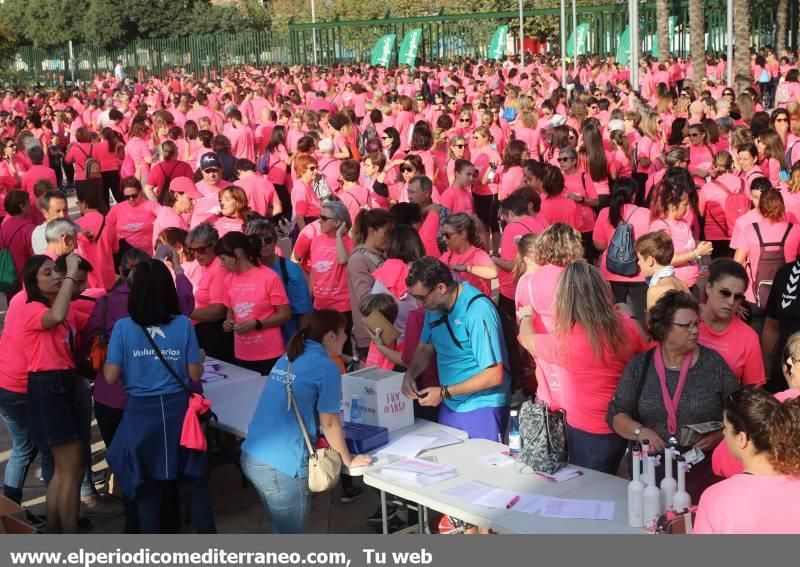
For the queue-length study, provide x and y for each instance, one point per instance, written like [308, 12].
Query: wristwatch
[637, 432]
[259, 325]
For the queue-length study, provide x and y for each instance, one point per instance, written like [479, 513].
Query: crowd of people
[629, 257]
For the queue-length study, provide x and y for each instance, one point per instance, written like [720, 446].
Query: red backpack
[736, 204]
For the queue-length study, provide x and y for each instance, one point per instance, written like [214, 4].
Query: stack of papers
[211, 372]
[562, 475]
[419, 472]
[482, 494]
[407, 446]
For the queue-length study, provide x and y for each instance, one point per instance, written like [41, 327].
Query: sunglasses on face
[407, 169]
[132, 197]
[727, 294]
[462, 146]
[464, 120]
[198, 248]
[565, 159]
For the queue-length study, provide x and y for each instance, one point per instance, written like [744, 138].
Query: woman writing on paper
[274, 456]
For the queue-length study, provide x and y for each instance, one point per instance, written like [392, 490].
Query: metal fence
[445, 37]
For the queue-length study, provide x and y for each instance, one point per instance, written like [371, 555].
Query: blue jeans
[287, 498]
[23, 451]
[597, 451]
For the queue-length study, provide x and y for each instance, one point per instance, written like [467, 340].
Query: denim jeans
[287, 498]
[597, 451]
[84, 398]
[23, 450]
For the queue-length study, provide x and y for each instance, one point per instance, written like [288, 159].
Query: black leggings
[111, 183]
[637, 291]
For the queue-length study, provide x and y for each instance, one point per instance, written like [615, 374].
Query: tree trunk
[741, 44]
[697, 40]
[662, 21]
[781, 26]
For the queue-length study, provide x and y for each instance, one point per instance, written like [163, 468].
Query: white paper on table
[468, 492]
[419, 479]
[562, 475]
[441, 439]
[530, 503]
[578, 509]
[407, 446]
[419, 466]
[497, 459]
[497, 498]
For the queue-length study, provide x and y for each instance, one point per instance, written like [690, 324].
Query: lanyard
[671, 403]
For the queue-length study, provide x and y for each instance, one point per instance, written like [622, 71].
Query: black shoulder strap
[758, 234]
[648, 358]
[583, 182]
[786, 234]
[284, 271]
[11, 238]
[477, 297]
[164, 362]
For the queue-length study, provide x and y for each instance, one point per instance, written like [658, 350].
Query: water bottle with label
[355, 410]
[514, 437]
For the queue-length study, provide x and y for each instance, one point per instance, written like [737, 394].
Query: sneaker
[377, 518]
[101, 505]
[350, 494]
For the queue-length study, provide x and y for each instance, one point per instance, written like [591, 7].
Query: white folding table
[466, 458]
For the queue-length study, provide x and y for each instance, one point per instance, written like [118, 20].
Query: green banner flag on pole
[624, 47]
[497, 47]
[672, 23]
[582, 34]
[410, 47]
[383, 52]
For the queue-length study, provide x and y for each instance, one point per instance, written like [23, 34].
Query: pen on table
[512, 502]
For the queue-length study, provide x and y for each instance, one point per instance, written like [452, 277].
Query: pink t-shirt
[252, 295]
[739, 345]
[682, 241]
[224, 224]
[329, 277]
[14, 370]
[134, 224]
[750, 504]
[560, 209]
[355, 198]
[771, 232]
[210, 289]
[167, 218]
[458, 200]
[580, 183]
[591, 380]
[510, 181]
[639, 218]
[206, 206]
[109, 161]
[508, 249]
[97, 252]
[304, 201]
[713, 196]
[472, 256]
[261, 195]
[46, 349]
[34, 174]
[242, 142]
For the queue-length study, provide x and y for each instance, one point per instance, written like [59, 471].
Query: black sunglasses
[727, 294]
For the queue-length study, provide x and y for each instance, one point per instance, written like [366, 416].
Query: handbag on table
[544, 437]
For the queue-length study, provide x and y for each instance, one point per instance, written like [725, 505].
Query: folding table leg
[384, 519]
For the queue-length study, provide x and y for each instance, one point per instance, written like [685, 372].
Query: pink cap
[186, 186]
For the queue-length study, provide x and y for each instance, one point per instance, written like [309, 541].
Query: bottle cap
[514, 413]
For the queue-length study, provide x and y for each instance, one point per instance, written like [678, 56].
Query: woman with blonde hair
[540, 261]
[594, 342]
[650, 149]
[486, 160]
[465, 256]
[526, 128]
[456, 151]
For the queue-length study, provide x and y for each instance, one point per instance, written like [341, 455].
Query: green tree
[105, 23]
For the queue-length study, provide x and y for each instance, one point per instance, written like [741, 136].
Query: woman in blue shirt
[146, 452]
[274, 456]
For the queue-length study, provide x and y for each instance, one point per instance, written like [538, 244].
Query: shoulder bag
[324, 464]
[544, 437]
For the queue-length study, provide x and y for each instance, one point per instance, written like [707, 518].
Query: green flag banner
[383, 52]
[672, 23]
[410, 47]
[497, 47]
[581, 34]
[624, 47]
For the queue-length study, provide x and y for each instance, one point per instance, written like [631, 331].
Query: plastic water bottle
[514, 438]
[355, 410]
[636, 490]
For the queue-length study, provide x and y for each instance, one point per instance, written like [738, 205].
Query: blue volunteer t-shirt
[274, 436]
[468, 341]
[142, 372]
[298, 293]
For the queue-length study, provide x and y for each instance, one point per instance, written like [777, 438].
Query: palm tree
[741, 34]
[697, 39]
[781, 24]
[662, 21]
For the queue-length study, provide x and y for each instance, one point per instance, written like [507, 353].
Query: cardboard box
[380, 396]
[13, 519]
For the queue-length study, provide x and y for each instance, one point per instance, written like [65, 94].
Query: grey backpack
[544, 439]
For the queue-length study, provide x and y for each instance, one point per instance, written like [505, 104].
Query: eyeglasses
[132, 197]
[422, 298]
[464, 120]
[324, 218]
[459, 146]
[727, 294]
[198, 248]
[407, 169]
[687, 326]
[565, 159]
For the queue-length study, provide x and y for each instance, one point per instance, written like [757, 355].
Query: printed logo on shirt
[323, 266]
[280, 375]
[155, 331]
[133, 227]
[790, 293]
[243, 310]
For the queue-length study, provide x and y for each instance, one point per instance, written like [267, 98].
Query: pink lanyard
[671, 403]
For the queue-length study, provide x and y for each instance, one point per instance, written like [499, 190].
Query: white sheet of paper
[419, 479]
[468, 492]
[530, 503]
[419, 466]
[562, 475]
[407, 446]
[441, 439]
[578, 509]
[497, 459]
[497, 498]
